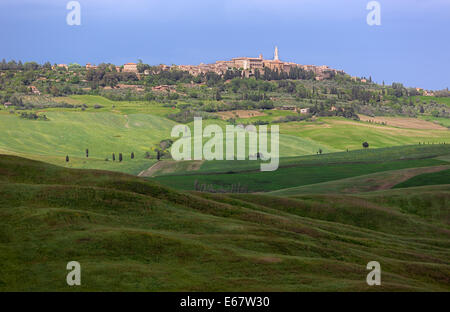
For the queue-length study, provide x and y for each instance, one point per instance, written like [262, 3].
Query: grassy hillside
[432, 178]
[299, 171]
[426, 99]
[135, 235]
[137, 126]
[440, 120]
[340, 133]
[368, 183]
[290, 177]
[352, 156]
[72, 132]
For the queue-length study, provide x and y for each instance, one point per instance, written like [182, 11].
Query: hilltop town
[246, 67]
[252, 65]
[242, 83]
[249, 67]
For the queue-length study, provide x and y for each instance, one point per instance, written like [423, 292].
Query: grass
[340, 134]
[430, 202]
[71, 133]
[359, 184]
[134, 235]
[427, 99]
[440, 120]
[137, 126]
[301, 171]
[433, 178]
[355, 156]
[290, 177]
[270, 116]
[125, 107]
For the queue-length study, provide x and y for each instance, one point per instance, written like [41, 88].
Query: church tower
[276, 54]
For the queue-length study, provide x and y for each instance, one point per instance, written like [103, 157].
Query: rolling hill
[303, 171]
[130, 234]
[139, 126]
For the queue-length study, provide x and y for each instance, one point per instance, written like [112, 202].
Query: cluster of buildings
[295, 109]
[425, 92]
[249, 65]
[128, 67]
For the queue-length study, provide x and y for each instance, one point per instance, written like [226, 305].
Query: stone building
[90, 66]
[130, 67]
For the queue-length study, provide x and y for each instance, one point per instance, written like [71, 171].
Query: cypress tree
[120, 157]
[67, 158]
[114, 157]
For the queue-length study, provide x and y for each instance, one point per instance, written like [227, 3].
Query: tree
[120, 157]
[218, 97]
[54, 91]
[158, 155]
[320, 151]
[47, 65]
[67, 158]
[132, 155]
[87, 153]
[365, 145]
[114, 157]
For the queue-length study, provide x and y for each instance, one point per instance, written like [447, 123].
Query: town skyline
[250, 67]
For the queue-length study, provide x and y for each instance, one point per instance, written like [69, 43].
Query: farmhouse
[130, 67]
[304, 110]
[89, 66]
[35, 90]
[288, 107]
[60, 66]
[162, 88]
[134, 87]
[7, 104]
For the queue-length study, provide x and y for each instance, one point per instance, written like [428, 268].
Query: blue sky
[411, 46]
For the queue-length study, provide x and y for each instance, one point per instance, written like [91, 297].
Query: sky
[411, 46]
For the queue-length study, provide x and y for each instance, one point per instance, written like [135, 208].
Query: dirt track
[240, 114]
[404, 122]
[170, 166]
[388, 180]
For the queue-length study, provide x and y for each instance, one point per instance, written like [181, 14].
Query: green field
[366, 183]
[440, 120]
[138, 126]
[71, 133]
[342, 134]
[290, 177]
[441, 100]
[355, 156]
[134, 235]
[299, 171]
[123, 107]
[434, 178]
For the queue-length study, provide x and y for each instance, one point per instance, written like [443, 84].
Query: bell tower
[275, 58]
